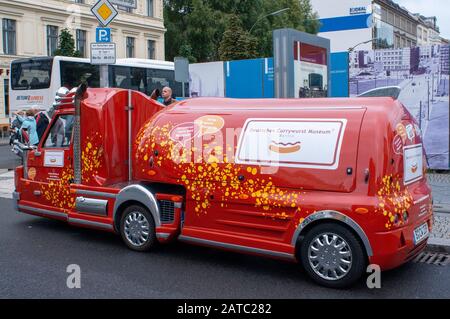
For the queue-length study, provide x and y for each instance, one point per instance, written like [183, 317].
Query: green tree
[236, 42]
[66, 45]
[196, 28]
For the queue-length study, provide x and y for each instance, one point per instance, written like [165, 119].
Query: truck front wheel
[137, 228]
[332, 256]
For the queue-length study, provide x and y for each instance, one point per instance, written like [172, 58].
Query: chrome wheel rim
[137, 229]
[330, 256]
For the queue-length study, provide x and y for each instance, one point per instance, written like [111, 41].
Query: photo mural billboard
[422, 74]
[310, 70]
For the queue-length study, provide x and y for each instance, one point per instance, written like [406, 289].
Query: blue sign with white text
[103, 35]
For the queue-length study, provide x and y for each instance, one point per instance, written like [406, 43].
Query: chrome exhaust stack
[79, 94]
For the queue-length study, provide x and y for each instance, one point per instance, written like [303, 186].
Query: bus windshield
[32, 74]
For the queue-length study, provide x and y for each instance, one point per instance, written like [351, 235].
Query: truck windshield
[32, 74]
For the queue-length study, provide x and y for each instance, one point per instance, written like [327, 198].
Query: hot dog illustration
[284, 148]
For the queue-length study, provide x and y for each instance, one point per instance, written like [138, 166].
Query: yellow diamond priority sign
[104, 11]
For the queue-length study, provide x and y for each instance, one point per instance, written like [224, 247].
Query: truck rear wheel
[137, 228]
[332, 256]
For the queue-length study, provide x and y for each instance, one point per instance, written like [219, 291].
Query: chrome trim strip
[298, 108]
[95, 193]
[334, 215]
[236, 247]
[162, 235]
[91, 206]
[89, 223]
[43, 211]
[421, 199]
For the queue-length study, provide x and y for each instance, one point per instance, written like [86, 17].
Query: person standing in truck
[167, 96]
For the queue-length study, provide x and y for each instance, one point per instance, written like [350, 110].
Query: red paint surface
[237, 204]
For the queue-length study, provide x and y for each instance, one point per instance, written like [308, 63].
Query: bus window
[73, 73]
[128, 78]
[157, 79]
[30, 74]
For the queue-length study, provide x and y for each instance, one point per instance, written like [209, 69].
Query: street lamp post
[267, 15]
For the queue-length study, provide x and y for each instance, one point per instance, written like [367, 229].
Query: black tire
[150, 240]
[358, 256]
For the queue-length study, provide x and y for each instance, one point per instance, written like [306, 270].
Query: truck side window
[60, 134]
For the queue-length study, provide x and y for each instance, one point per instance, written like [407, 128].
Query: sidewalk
[6, 183]
[440, 185]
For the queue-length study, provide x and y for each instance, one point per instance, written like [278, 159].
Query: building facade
[31, 28]
[371, 24]
[445, 59]
[427, 31]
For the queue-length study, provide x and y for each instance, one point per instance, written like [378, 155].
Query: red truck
[335, 184]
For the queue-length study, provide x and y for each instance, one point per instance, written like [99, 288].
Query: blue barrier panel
[244, 78]
[268, 78]
[339, 74]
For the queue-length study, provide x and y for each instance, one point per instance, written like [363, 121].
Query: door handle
[37, 154]
[37, 193]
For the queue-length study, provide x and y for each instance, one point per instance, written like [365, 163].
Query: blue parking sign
[103, 35]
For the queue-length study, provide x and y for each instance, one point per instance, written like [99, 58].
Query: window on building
[383, 35]
[52, 39]
[390, 17]
[384, 14]
[130, 47]
[79, 1]
[150, 11]
[9, 36]
[151, 49]
[397, 21]
[126, 9]
[81, 42]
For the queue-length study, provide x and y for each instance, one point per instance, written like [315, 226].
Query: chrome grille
[167, 211]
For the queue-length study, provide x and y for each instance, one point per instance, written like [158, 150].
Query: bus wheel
[332, 256]
[137, 228]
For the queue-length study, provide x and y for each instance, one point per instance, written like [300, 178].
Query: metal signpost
[103, 52]
[182, 71]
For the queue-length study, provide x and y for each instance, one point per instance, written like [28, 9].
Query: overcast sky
[438, 8]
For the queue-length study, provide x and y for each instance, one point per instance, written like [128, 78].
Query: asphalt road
[8, 160]
[35, 253]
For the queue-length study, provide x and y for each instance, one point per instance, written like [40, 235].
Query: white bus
[34, 81]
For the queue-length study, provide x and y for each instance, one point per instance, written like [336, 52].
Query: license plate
[420, 233]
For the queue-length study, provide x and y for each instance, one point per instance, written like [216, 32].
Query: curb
[441, 208]
[439, 245]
